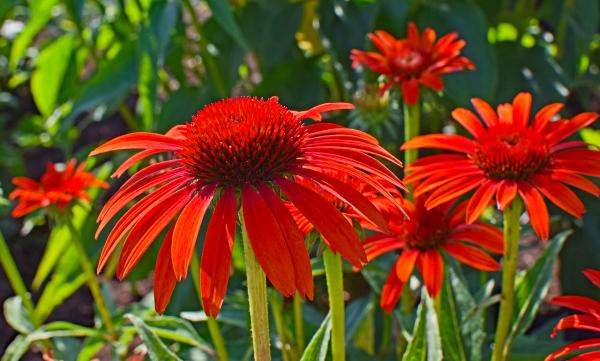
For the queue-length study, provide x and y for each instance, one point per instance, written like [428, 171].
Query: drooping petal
[164, 277]
[471, 256]
[294, 239]
[481, 234]
[536, 209]
[216, 253]
[392, 289]
[315, 112]
[139, 140]
[582, 322]
[186, 230]
[485, 111]
[431, 267]
[575, 346]
[327, 220]
[578, 303]
[453, 142]
[576, 181]
[559, 194]
[507, 191]
[377, 245]
[267, 242]
[593, 276]
[569, 127]
[481, 199]
[406, 263]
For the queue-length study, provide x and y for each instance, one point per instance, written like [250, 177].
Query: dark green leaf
[417, 347]
[319, 344]
[223, 15]
[452, 342]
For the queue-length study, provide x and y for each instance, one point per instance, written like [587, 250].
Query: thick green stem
[14, 277]
[335, 288]
[298, 324]
[509, 270]
[90, 277]
[257, 298]
[211, 323]
[277, 307]
[412, 122]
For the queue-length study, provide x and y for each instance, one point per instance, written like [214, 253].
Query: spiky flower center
[243, 140]
[506, 152]
[426, 228]
[407, 61]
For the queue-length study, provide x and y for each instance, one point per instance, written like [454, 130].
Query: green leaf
[16, 315]
[90, 348]
[417, 347]
[355, 314]
[41, 13]
[223, 15]
[148, 82]
[16, 349]
[452, 342]
[532, 287]
[157, 350]
[319, 344]
[591, 136]
[434, 341]
[176, 329]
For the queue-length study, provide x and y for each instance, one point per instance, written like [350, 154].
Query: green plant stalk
[212, 324]
[412, 122]
[277, 307]
[298, 324]
[15, 279]
[335, 289]
[386, 334]
[509, 270]
[90, 277]
[257, 298]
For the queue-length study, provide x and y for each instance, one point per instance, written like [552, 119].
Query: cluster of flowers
[287, 178]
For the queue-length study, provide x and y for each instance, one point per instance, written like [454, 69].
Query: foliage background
[76, 72]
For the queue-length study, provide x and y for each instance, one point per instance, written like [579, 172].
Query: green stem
[277, 307]
[298, 324]
[208, 59]
[412, 122]
[257, 298]
[211, 323]
[386, 334]
[15, 279]
[90, 277]
[509, 270]
[335, 288]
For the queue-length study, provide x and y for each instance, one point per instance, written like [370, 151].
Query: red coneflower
[58, 187]
[247, 151]
[588, 320]
[422, 236]
[413, 61]
[509, 156]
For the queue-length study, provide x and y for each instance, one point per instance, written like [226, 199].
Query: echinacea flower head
[59, 188]
[588, 319]
[413, 61]
[249, 151]
[422, 237]
[509, 157]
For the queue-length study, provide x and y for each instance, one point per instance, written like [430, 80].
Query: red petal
[431, 81]
[579, 345]
[406, 264]
[559, 194]
[431, 267]
[216, 253]
[377, 245]
[139, 140]
[481, 199]
[481, 234]
[267, 242]
[593, 276]
[580, 322]
[471, 256]
[507, 191]
[452, 142]
[576, 180]
[544, 115]
[410, 91]
[485, 111]
[294, 240]
[392, 289]
[186, 230]
[536, 209]
[468, 120]
[578, 303]
[315, 112]
[133, 160]
[569, 127]
[413, 37]
[164, 277]
[327, 220]
[521, 108]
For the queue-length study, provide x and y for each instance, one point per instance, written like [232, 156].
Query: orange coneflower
[59, 187]
[413, 61]
[509, 156]
[588, 320]
[422, 236]
[244, 149]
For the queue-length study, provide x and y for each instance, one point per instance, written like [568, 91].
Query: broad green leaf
[5, 7]
[223, 15]
[434, 341]
[16, 315]
[532, 287]
[319, 344]
[40, 14]
[157, 350]
[452, 342]
[417, 347]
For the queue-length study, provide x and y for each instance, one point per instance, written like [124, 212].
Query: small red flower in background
[57, 188]
[422, 237]
[588, 320]
[248, 149]
[414, 61]
[509, 156]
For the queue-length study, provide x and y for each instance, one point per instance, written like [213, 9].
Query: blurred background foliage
[74, 73]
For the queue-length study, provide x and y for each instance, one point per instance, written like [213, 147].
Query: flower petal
[392, 289]
[452, 142]
[469, 121]
[544, 115]
[471, 256]
[575, 346]
[559, 194]
[536, 209]
[593, 276]
[164, 277]
[481, 199]
[521, 109]
[406, 264]
[507, 191]
[410, 91]
[485, 111]
[139, 140]
[431, 267]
